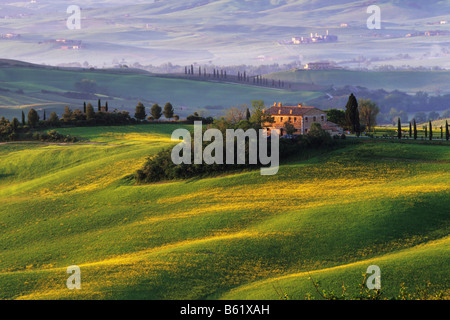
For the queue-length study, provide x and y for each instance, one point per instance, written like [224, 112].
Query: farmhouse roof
[292, 110]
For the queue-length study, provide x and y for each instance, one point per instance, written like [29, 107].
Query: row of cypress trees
[428, 130]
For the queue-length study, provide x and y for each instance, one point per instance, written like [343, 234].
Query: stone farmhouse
[301, 117]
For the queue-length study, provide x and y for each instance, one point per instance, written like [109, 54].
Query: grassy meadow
[124, 89]
[239, 236]
[407, 81]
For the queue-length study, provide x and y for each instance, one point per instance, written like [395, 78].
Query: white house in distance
[301, 117]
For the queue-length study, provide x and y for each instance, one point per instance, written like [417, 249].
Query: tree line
[240, 77]
[19, 127]
[362, 116]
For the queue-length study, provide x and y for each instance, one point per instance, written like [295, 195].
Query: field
[241, 236]
[241, 32]
[123, 90]
[407, 81]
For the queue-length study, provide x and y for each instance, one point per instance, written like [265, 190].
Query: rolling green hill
[239, 236]
[123, 89]
[407, 81]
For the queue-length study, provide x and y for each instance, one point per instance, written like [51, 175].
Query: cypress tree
[106, 106]
[431, 131]
[99, 107]
[23, 118]
[442, 133]
[248, 115]
[84, 107]
[415, 130]
[45, 117]
[399, 128]
[426, 132]
[352, 114]
[447, 133]
[410, 130]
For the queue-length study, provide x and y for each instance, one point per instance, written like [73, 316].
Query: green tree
[140, 112]
[84, 107]
[168, 111]
[258, 116]
[23, 118]
[352, 115]
[33, 117]
[156, 111]
[399, 129]
[67, 115]
[447, 132]
[290, 129]
[106, 106]
[431, 130]
[90, 114]
[15, 123]
[176, 117]
[248, 115]
[337, 116]
[415, 129]
[53, 119]
[368, 112]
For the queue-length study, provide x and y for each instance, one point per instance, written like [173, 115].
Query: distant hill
[24, 86]
[227, 32]
[408, 81]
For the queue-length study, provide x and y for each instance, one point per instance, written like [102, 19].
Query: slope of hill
[227, 32]
[45, 87]
[332, 215]
[407, 81]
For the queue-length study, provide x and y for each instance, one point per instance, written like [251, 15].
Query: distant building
[9, 36]
[320, 66]
[344, 25]
[300, 117]
[315, 39]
